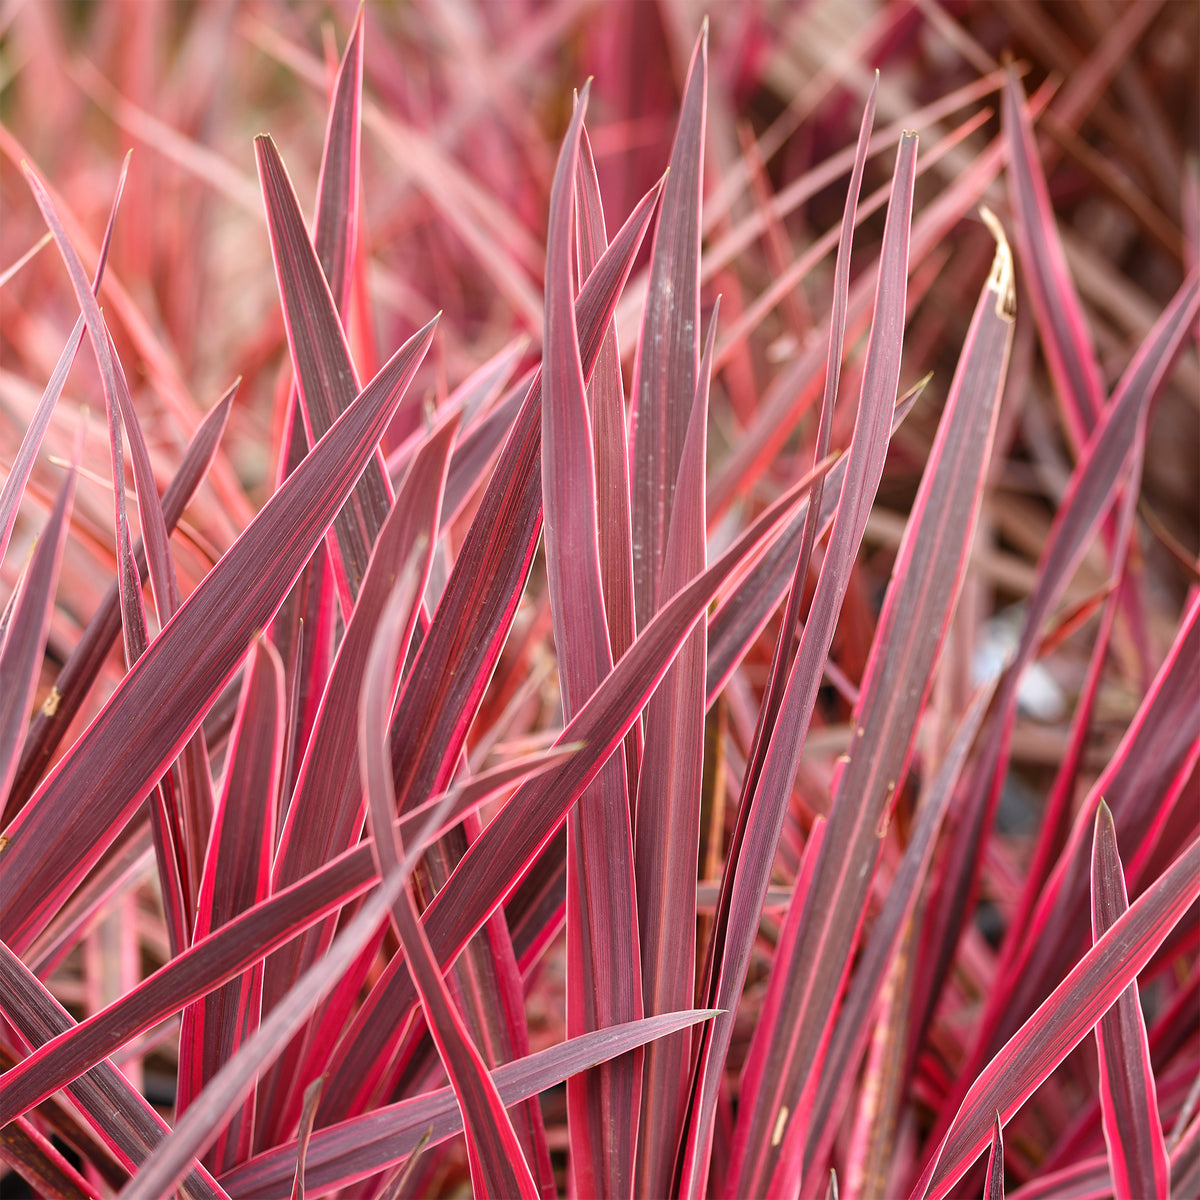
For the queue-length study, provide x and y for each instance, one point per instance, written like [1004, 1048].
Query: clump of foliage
[714, 711]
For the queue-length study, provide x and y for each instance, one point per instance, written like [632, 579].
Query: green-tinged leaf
[325, 374]
[926, 580]
[54, 840]
[237, 876]
[83, 665]
[114, 1110]
[669, 343]
[760, 812]
[1063, 1020]
[24, 639]
[341, 1154]
[668, 817]
[498, 1166]
[1137, 1153]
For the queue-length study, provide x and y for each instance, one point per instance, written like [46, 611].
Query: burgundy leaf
[1137, 1154]
[496, 861]
[40, 1164]
[926, 580]
[76, 677]
[237, 876]
[226, 953]
[24, 639]
[450, 673]
[119, 1116]
[603, 976]
[335, 237]
[306, 654]
[853, 1028]
[668, 817]
[669, 344]
[606, 403]
[198, 1127]
[1089, 496]
[1058, 313]
[325, 373]
[994, 1189]
[325, 815]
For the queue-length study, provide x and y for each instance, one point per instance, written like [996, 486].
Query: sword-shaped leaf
[1137, 1153]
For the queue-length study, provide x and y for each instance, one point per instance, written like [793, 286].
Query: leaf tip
[1000, 279]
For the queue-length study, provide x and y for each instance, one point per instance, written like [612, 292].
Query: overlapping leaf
[54, 840]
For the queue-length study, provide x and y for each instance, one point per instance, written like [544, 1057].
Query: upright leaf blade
[668, 818]
[450, 673]
[324, 371]
[1059, 314]
[335, 237]
[669, 344]
[24, 639]
[1137, 1153]
[603, 976]
[237, 875]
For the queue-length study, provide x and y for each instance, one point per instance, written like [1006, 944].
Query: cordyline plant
[554, 709]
